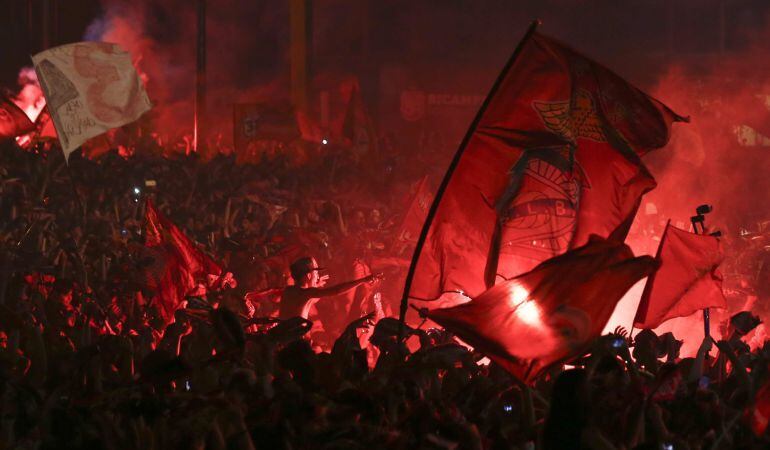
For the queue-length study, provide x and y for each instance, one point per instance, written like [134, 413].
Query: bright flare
[525, 308]
[518, 295]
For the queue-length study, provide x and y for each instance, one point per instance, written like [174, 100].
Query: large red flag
[183, 264]
[550, 313]
[552, 157]
[13, 121]
[687, 281]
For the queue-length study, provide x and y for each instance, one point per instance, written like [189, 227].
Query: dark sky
[354, 35]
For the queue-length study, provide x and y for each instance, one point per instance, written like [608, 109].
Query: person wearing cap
[309, 287]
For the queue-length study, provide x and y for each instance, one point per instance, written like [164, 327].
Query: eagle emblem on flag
[573, 119]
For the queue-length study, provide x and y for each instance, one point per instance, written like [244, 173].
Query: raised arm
[342, 287]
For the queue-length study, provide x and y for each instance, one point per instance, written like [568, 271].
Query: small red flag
[44, 125]
[758, 414]
[356, 128]
[552, 158]
[183, 264]
[13, 121]
[414, 217]
[687, 280]
[97, 146]
[551, 313]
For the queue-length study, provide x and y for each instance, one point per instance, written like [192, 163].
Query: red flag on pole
[687, 280]
[758, 414]
[414, 217]
[552, 157]
[356, 128]
[551, 313]
[183, 264]
[13, 121]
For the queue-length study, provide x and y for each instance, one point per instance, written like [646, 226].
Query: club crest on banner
[540, 221]
[573, 325]
[572, 120]
[543, 218]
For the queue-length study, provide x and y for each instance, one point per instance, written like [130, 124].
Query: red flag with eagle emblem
[178, 264]
[552, 158]
[561, 305]
[688, 279]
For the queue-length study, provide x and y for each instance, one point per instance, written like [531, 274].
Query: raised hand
[362, 322]
[375, 277]
[621, 331]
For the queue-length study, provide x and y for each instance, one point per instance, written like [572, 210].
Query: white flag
[90, 87]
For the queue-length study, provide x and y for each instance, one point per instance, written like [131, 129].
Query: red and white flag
[687, 281]
[90, 88]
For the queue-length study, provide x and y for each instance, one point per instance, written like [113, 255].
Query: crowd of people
[87, 360]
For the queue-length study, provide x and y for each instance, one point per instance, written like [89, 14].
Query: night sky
[632, 36]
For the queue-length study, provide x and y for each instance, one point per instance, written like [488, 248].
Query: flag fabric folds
[42, 131]
[90, 87]
[551, 313]
[552, 158]
[688, 279]
[414, 216]
[179, 265]
[356, 128]
[44, 125]
[13, 121]
[757, 416]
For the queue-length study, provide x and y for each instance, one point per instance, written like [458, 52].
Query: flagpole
[650, 279]
[448, 176]
[700, 217]
[199, 136]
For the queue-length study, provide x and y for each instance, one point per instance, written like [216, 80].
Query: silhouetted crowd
[87, 361]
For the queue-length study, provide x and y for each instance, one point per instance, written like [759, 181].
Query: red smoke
[161, 38]
[248, 62]
[721, 157]
[30, 97]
